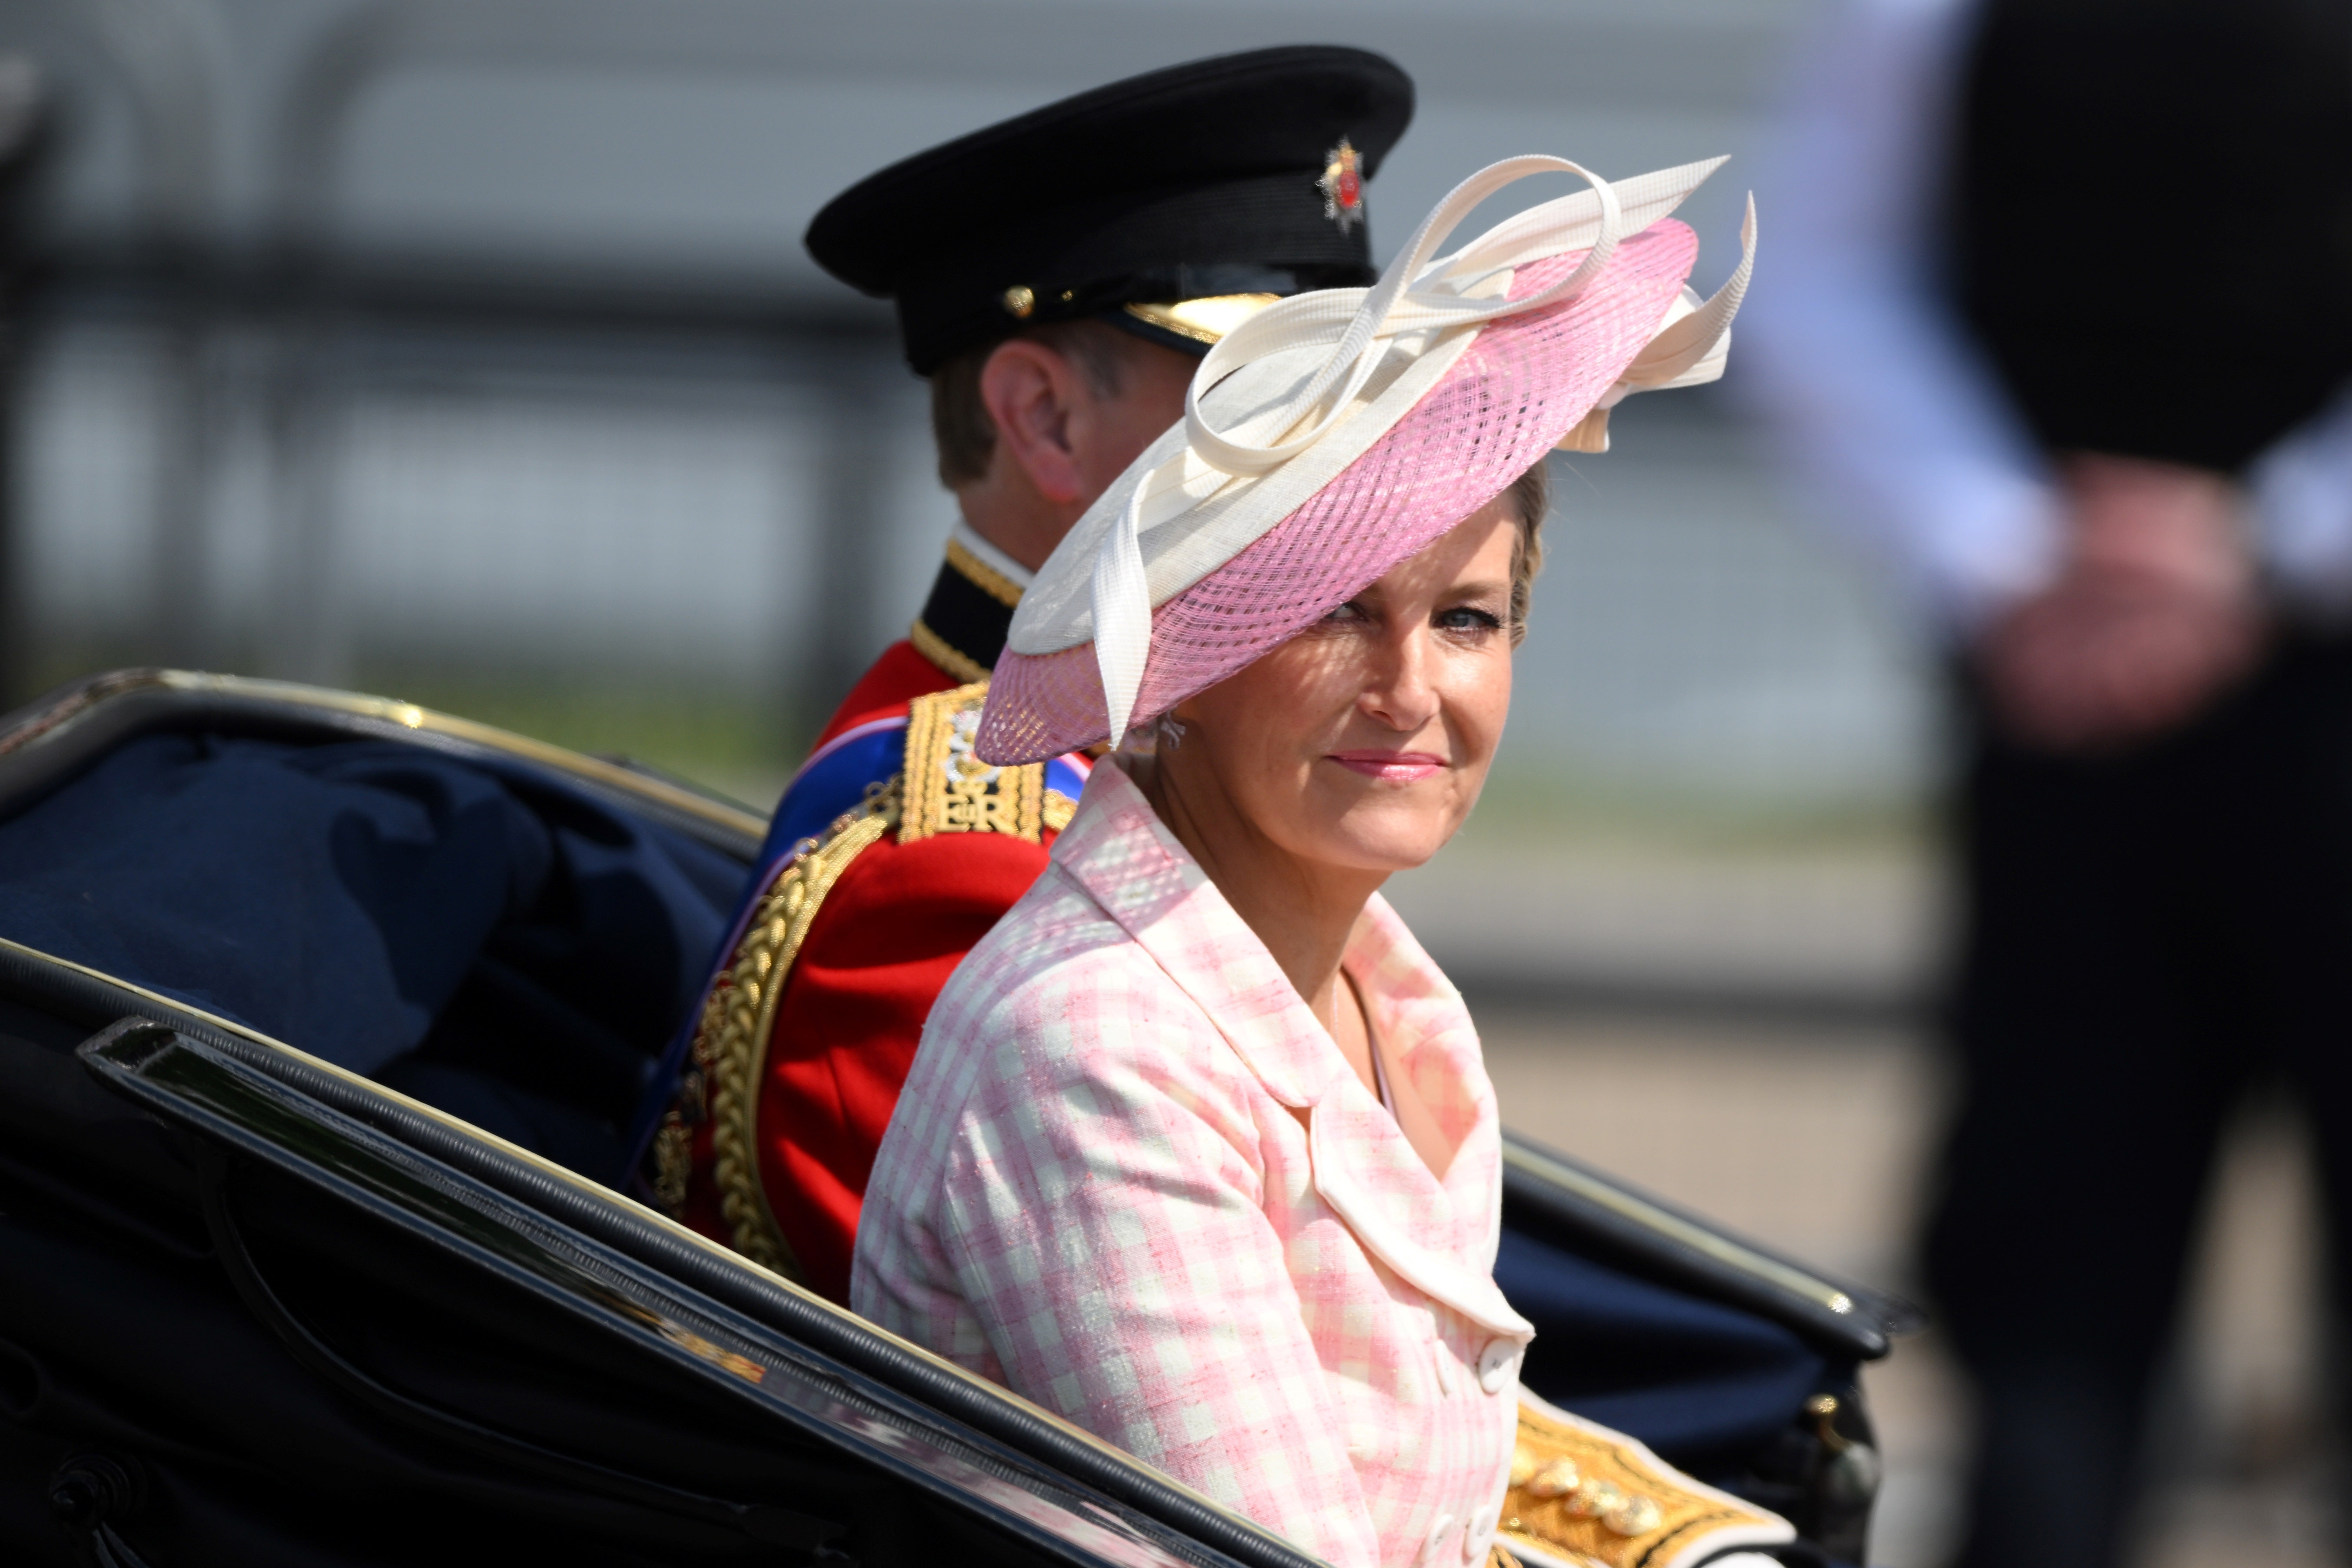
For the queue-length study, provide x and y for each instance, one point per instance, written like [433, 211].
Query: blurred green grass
[724, 739]
[745, 743]
[1540, 798]
[741, 742]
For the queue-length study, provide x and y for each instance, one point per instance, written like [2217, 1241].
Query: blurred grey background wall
[470, 342]
[465, 350]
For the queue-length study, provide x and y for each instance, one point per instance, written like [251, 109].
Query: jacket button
[1497, 1363]
[1475, 1537]
[1433, 1549]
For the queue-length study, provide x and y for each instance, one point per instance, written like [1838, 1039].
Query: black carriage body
[260, 1305]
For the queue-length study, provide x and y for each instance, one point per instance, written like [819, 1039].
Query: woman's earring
[1168, 733]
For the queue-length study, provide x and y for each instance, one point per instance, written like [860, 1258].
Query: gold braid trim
[945, 654]
[731, 1043]
[1587, 1496]
[943, 788]
[984, 576]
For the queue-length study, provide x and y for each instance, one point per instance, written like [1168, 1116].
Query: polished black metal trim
[760, 1521]
[1699, 1254]
[822, 1369]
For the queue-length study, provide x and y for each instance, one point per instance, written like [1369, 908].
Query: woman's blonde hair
[1530, 500]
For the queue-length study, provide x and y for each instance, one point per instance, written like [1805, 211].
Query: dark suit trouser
[2145, 937]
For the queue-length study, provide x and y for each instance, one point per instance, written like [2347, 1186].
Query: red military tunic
[899, 905]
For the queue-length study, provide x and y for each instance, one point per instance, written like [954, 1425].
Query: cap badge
[1342, 185]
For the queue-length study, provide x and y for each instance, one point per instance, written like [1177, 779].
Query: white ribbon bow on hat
[1308, 384]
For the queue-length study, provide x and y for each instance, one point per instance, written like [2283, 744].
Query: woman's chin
[1389, 835]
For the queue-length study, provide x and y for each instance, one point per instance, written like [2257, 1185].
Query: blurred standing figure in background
[2063, 322]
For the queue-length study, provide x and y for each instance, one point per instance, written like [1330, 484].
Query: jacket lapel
[1126, 859]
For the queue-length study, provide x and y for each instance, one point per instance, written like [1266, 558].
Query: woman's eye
[1351, 611]
[1462, 618]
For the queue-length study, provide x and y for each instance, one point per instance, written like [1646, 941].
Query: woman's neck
[1303, 911]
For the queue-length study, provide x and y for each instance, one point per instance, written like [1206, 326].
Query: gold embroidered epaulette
[950, 790]
[1584, 1497]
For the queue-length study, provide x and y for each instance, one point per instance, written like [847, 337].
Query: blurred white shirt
[1883, 401]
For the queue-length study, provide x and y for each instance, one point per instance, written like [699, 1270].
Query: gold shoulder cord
[730, 1045]
[1583, 1495]
[943, 789]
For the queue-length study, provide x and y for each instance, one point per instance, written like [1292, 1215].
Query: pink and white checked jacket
[1132, 1178]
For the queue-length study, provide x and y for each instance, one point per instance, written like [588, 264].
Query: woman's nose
[1401, 694]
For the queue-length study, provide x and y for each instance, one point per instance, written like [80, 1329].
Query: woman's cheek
[1308, 679]
[1481, 700]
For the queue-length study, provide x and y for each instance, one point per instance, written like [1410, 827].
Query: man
[2108, 433]
[1056, 278]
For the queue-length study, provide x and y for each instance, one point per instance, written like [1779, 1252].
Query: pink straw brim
[1524, 383]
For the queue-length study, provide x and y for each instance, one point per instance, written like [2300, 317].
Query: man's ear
[1033, 393]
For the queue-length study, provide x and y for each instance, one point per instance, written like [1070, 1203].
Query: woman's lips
[1397, 767]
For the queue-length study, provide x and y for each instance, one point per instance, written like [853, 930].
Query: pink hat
[1338, 432]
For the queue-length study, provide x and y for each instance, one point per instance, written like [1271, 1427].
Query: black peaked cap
[1198, 180]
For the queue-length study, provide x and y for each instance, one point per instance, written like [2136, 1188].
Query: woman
[1198, 1150]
